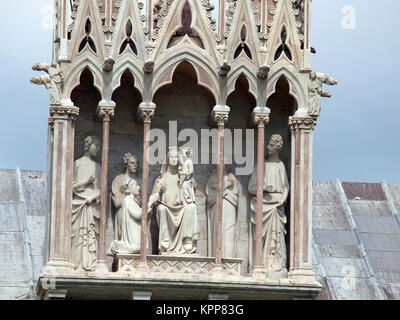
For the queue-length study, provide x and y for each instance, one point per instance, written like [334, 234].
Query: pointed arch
[126, 96]
[295, 86]
[241, 69]
[73, 79]
[86, 85]
[241, 102]
[205, 69]
[135, 67]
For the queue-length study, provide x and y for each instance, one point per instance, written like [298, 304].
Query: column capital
[63, 113]
[220, 115]
[302, 123]
[146, 112]
[260, 116]
[105, 110]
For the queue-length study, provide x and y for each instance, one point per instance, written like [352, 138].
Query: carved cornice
[302, 123]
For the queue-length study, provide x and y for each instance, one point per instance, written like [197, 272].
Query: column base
[58, 265]
[259, 273]
[304, 275]
[277, 275]
[102, 266]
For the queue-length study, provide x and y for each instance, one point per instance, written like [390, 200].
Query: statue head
[92, 146]
[131, 162]
[173, 157]
[133, 188]
[275, 144]
[313, 75]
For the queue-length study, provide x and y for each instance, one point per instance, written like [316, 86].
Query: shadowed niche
[186, 29]
[86, 96]
[127, 99]
[282, 105]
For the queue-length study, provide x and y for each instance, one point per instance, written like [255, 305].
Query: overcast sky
[357, 137]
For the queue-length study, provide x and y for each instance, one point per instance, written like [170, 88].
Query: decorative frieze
[194, 265]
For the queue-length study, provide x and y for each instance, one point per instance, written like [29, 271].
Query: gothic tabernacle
[180, 150]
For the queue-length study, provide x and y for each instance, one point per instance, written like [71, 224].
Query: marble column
[260, 118]
[301, 198]
[105, 112]
[146, 113]
[62, 132]
[220, 116]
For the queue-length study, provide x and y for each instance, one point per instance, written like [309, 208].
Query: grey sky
[357, 136]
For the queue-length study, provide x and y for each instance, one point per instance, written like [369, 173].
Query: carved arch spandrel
[87, 10]
[243, 17]
[200, 24]
[206, 72]
[284, 17]
[129, 11]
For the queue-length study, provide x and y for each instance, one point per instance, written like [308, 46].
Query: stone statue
[229, 214]
[130, 220]
[315, 91]
[120, 186]
[276, 190]
[53, 80]
[187, 183]
[86, 207]
[178, 223]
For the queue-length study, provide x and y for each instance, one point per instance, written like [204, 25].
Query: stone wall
[23, 211]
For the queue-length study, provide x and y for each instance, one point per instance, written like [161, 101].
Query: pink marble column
[146, 113]
[222, 18]
[61, 122]
[261, 119]
[301, 198]
[220, 117]
[105, 113]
